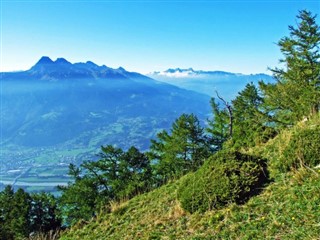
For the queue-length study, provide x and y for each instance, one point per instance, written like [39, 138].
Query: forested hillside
[252, 173]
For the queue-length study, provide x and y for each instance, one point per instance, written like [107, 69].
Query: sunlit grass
[288, 208]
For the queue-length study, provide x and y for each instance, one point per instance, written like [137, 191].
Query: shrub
[303, 149]
[226, 177]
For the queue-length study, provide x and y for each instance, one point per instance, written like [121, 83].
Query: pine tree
[44, 213]
[134, 174]
[183, 150]
[14, 213]
[219, 128]
[250, 118]
[297, 91]
[78, 200]
[6, 199]
[20, 212]
[116, 175]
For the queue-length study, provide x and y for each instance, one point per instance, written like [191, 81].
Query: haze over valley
[227, 84]
[57, 113]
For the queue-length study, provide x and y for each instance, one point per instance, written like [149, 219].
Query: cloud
[177, 73]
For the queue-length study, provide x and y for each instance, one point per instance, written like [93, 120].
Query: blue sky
[144, 36]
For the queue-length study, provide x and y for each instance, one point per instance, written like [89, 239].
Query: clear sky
[144, 36]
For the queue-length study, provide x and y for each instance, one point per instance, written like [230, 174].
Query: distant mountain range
[61, 69]
[182, 73]
[60, 97]
[208, 82]
[57, 112]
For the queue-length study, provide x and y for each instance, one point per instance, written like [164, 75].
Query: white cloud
[177, 74]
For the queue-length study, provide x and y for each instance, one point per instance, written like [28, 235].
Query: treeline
[256, 115]
[22, 213]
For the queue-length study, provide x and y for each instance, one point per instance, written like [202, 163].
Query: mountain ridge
[174, 72]
[61, 69]
[228, 84]
[59, 113]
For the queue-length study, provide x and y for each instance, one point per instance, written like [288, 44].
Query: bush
[303, 149]
[225, 178]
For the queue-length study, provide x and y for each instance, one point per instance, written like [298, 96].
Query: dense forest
[216, 165]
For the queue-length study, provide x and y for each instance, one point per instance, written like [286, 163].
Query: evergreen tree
[297, 91]
[218, 127]
[105, 172]
[120, 174]
[78, 200]
[116, 175]
[181, 151]
[250, 119]
[135, 174]
[6, 199]
[20, 213]
[44, 213]
[14, 214]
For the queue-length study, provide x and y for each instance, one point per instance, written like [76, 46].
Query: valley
[59, 113]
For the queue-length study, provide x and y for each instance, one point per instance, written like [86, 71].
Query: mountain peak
[92, 64]
[121, 69]
[61, 68]
[62, 61]
[44, 60]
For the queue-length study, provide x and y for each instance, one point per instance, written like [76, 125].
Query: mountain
[57, 94]
[208, 82]
[61, 69]
[58, 112]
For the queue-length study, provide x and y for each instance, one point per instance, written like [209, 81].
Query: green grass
[287, 209]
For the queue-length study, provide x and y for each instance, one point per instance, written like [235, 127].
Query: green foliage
[286, 209]
[21, 213]
[20, 210]
[210, 194]
[14, 214]
[44, 212]
[78, 200]
[225, 178]
[250, 120]
[181, 151]
[116, 175]
[6, 198]
[297, 91]
[218, 127]
[303, 149]
[134, 175]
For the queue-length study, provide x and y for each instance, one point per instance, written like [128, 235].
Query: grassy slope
[288, 208]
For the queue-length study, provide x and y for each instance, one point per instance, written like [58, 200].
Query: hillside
[287, 208]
